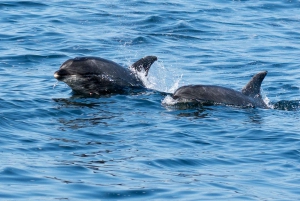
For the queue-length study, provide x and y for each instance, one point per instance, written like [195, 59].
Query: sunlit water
[56, 146]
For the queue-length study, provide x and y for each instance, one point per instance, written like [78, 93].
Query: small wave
[23, 4]
[55, 84]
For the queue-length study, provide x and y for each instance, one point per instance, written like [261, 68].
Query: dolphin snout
[60, 74]
[56, 75]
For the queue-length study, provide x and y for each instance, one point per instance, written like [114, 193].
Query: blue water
[56, 146]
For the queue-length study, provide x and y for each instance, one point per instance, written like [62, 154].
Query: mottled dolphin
[96, 76]
[250, 95]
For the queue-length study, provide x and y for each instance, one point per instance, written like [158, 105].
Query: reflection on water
[255, 117]
[85, 112]
[77, 102]
[85, 122]
[199, 113]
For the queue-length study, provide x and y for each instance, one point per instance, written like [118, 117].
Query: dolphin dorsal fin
[252, 89]
[144, 64]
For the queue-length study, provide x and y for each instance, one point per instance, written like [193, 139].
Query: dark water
[55, 146]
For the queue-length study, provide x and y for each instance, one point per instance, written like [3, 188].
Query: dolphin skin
[250, 95]
[97, 76]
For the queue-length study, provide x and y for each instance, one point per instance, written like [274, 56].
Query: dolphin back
[249, 97]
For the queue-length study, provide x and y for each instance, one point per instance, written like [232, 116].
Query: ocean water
[57, 146]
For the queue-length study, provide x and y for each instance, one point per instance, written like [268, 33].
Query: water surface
[57, 146]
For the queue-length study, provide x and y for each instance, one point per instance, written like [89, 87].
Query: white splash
[169, 101]
[159, 78]
[266, 99]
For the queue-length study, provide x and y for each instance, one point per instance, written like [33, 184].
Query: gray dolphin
[250, 95]
[94, 75]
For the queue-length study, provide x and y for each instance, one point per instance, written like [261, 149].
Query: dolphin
[97, 76]
[250, 95]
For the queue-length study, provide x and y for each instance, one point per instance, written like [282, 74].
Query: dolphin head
[79, 67]
[88, 75]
